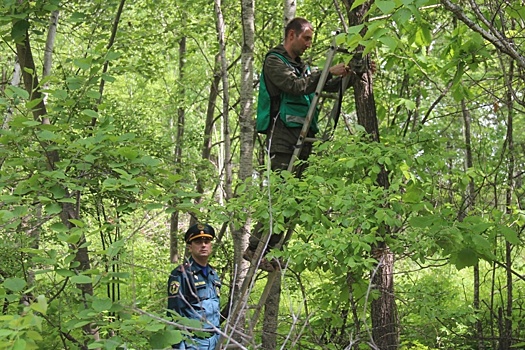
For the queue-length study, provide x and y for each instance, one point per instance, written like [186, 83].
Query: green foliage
[112, 112]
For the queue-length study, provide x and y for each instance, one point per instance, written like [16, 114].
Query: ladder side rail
[313, 105]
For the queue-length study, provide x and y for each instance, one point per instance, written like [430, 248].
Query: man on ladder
[287, 88]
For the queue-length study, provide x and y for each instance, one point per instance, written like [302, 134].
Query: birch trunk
[226, 169]
[289, 9]
[246, 124]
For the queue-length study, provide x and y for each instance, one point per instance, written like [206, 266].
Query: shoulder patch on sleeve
[174, 287]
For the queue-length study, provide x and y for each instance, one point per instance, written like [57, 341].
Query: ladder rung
[314, 104]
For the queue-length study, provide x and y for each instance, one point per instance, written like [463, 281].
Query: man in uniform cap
[194, 289]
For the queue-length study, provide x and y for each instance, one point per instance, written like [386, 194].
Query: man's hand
[340, 69]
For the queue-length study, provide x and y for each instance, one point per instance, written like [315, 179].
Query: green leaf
[59, 227]
[464, 258]
[510, 235]
[422, 221]
[357, 3]
[14, 91]
[78, 17]
[101, 304]
[154, 206]
[6, 215]
[112, 55]
[402, 16]
[93, 94]
[108, 78]
[77, 223]
[53, 208]
[72, 237]
[65, 272]
[154, 327]
[19, 30]
[480, 243]
[385, 6]
[81, 279]
[128, 152]
[423, 36]
[47, 135]
[97, 345]
[74, 83]
[31, 123]
[83, 63]
[20, 344]
[80, 324]
[165, 339]
[33, 103]
[115, 248]
[40, 305]
[14, 284]
[59, 94]
[340, 38]
[90, 113]
[150, 161]
[4, 333]
[353, 30]
[390, 42]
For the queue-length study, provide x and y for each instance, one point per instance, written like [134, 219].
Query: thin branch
[498, 41]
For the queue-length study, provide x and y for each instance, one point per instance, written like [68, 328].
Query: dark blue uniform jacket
[193, 292]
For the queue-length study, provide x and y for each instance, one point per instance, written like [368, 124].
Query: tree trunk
[506, 334]
[290, 6]
[271, 315]
[385, 325]
[271, 307]
[210, 113]
[177, 159]
[226, 169]
[69, 211]
[246, 124]
[385, 331]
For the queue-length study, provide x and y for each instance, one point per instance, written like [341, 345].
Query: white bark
[225, 170]
[15, 81]
[50, 43]
[289, 8]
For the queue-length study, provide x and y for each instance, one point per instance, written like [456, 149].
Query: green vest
[292, 108]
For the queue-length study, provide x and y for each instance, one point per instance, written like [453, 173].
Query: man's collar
[195, 267]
